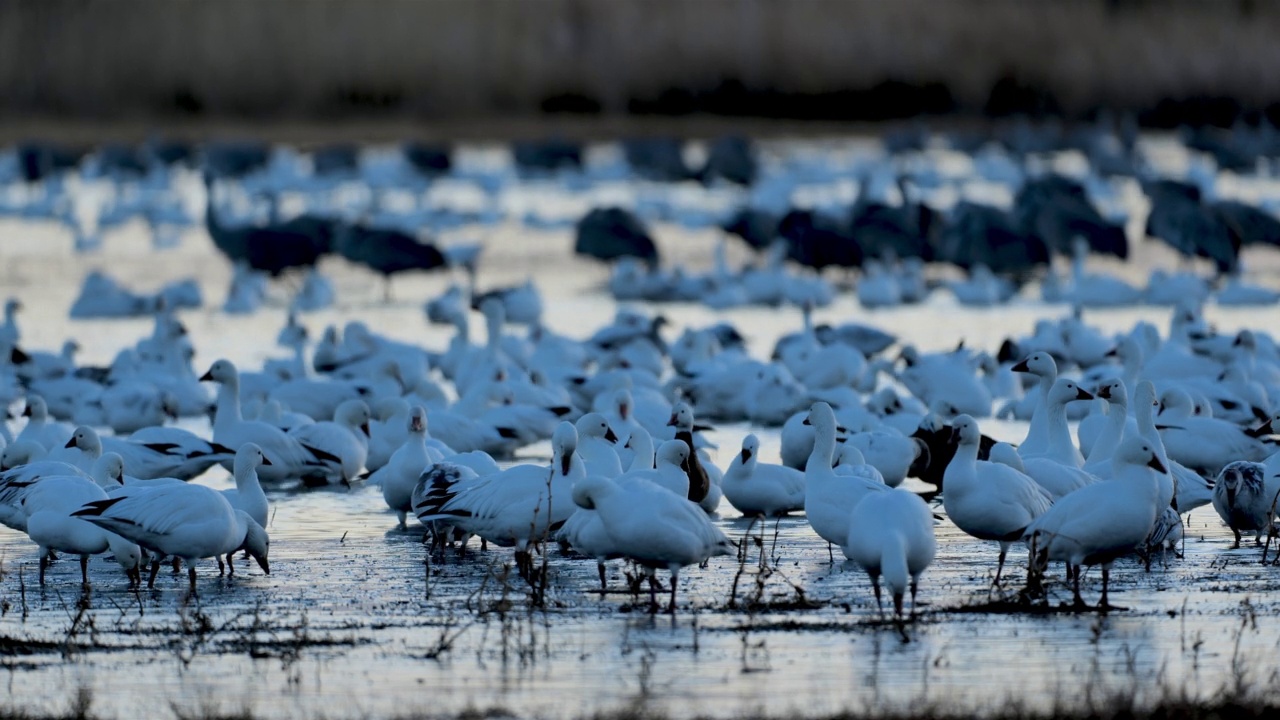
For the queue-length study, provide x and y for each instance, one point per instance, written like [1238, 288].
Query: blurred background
[468, 68]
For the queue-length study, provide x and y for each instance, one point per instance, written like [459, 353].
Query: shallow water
[352, 622]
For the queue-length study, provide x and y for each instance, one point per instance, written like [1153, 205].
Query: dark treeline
[1168, 63]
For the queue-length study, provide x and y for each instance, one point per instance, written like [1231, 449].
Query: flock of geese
[1167, 422]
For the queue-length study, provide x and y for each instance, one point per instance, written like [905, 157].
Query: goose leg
[1106, 578]
[897, 605]
[1237, 545]
[221, 569]
[672, 607]
[231, 566]
[191, 574]
[875, 585]
[84, 570]
[1074, 572]
[1004, 551]
[915, 585]
[155, 570]
[44, 563]
[600, 569]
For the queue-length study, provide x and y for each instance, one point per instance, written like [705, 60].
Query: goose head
[821, 416]
[1114, 392]
[1239, 476]
[36, 409]
[564, 443]
[750, 448]
[850, 455]
[1139, 451]
[256, 542]
[595, 425]
[20, 452]
[249, 457]
[1065, 391]
[674, 452]
[221, 371]
[418, 420]
[965, 431]
[108, 470]
[1006, 454]
[354, 414]
[622, 402]
[1038, 363]
[86, 439]
[681, 417]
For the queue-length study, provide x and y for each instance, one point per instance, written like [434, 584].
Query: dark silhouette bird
[428, 160]
[1056, 210]
[757, 228]
[235, 159]
[731, 158]
[340, 159]
[547, 155]
[39, 160]
[897, 231]
[819, 241]
[1181, 219]
[657, 158]
[273, 249]
[611, 233]
[984, 235]
[938, 447]
[387, 252]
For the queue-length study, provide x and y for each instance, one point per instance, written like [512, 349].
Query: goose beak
[566, 461]
[266, 566]
[70, 443]
[207, 377]
[610, 435]
[26, 412]
[746, 455]
[1105, 392]
[1021, 367]
[1156, 465]
[806, 422]
[1082, 394]
[364, 428]
[672, 421]
[266, 460]
[1113, 352]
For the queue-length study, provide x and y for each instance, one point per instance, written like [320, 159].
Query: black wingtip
[96, 507]
[508, 433]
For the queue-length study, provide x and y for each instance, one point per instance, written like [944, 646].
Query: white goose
[160, 452]
[49, 504]
[1205, 444]
[1042, 365]
[652, 527]
[180, 520]
[755, 488]
[987, 500]
[400, 474]
[1060, 447]
[342, 442]
[289, 458]
[41, 429]
[247, 495]
[829, 498]
[891, 534]
[1101, 522]
[513, 508]
[1243, 499]
[596, 446]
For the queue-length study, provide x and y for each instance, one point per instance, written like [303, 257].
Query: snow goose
[1205, 444]
[49, 504]
[513, 508]
[20, 452]
[136, 404]
[1243, 499]
[399, 475]
[180, 520]
[637, 451]
[345, 438]
[82, 450]
[987, 500]
[160, 452]
[830, 498]
[950, 377]
[1116, 422]
[850, 462]
[891, 453]
[754, 488]
[289, 458]
[1060, 446]
[39, 428]
[699, 480]
[596, 443]
[891, 534]
[652, 527]
[1101, 522]
[247, 495]
[1042, 365]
